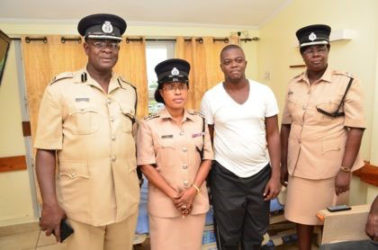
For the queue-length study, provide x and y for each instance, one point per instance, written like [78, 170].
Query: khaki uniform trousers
[116, 236]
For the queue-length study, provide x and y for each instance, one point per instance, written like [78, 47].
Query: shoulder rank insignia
[299, 75]
[193, 112]
[65, 75]
[84, 77]
[347, 74]
[151, 116]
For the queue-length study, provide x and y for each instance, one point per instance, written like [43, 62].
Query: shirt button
[181, 132]
[184, 167]
[73, 175]
[184, 149]
[111, 119]
[186, 183]
[113, 138]
[309, 92]
[114, 158]
[108, 101]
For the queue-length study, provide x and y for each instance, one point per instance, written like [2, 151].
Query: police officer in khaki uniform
[86, 164]
[322, 128]
[175, 153]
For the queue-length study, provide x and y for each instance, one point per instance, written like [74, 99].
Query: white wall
[15, 195]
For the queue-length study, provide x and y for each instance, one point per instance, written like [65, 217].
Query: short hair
[229, 47]
[158, 97]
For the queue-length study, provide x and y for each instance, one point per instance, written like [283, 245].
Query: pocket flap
[331, 145]
[74, 169]
[128, 112]
[166, 141]
[328, 107]
[83, 108]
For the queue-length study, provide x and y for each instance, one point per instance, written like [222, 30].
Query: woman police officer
[321, 133]
[175, 154]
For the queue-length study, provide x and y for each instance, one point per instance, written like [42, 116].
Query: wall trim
[368, 174]
[12, 163]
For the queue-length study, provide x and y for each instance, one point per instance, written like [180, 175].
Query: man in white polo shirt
[242, 119]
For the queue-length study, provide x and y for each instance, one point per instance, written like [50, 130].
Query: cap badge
[175, 71]
[312, 36]
[107, 27]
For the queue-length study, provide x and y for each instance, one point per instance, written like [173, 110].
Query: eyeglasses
[175, 86]
[318, 49]
[105, 44]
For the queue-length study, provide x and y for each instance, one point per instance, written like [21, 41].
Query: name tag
[198, 134]
[82, 99]
[166, 136]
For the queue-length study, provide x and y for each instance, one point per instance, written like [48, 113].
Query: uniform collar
[113, 84]
[326, 77]
[164, 114]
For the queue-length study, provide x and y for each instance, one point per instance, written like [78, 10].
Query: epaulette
[151, 116]
[123, 82]
[65, 75]
[299, 75]
[193, 112]
[347, 74]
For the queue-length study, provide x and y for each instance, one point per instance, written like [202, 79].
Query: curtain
[43, 59]
[132, 65]
[203, 56]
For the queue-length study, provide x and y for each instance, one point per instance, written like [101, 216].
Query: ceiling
[249, 13]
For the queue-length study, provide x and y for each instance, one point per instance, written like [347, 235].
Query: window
[156, 51]
[4, 47]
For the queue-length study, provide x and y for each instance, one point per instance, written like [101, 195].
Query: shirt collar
[164, 114]
[326, 77]
[113, 84]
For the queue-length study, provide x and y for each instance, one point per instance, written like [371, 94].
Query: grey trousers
[240, 212]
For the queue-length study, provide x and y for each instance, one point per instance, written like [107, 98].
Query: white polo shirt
[239, 129]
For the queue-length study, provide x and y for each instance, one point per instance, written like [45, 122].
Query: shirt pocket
[74, 184]
[296, 110]
[166, 154]
[73, 170]
[166, 142]
[331, 146]
[324, 111]
[127, 119]
[84, 120]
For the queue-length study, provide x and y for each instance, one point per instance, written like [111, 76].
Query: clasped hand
[183, 201]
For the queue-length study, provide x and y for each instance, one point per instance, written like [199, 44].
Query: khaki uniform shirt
[317, 141]
[175, 152]
[96, 181]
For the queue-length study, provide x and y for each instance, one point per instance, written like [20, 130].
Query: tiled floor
[28, 237]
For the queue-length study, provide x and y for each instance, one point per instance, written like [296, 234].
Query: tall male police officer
[84, 128]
